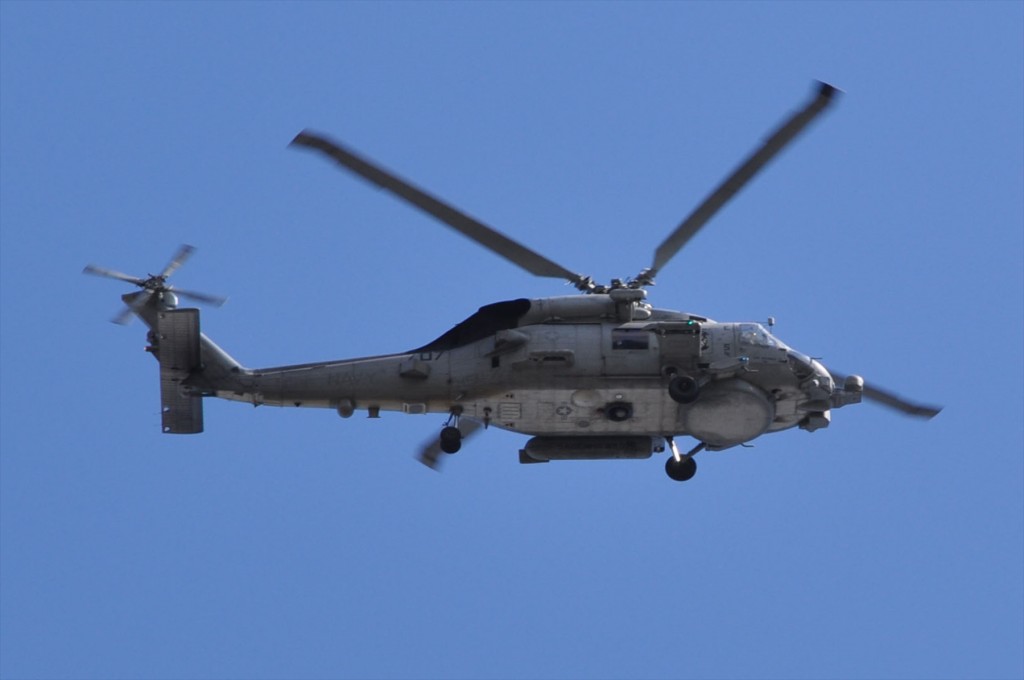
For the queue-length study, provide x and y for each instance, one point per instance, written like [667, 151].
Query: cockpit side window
[754, 334]
[630, 338]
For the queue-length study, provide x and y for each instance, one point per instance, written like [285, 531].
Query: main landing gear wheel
[681, 470]
[451, 439]
[683, 389]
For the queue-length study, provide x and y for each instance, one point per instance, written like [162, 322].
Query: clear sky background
[887, 240]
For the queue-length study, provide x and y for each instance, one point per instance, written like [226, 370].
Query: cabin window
[630, 338]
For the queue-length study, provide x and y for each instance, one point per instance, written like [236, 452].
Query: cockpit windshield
[754, 334]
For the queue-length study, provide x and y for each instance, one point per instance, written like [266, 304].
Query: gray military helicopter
[600, 375]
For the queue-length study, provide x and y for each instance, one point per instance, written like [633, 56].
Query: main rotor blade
[893, 401]
[740, 176]
[111, 274]
[486, 236]
[184, 252]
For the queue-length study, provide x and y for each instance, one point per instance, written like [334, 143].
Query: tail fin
[191, 365]
[179, 354]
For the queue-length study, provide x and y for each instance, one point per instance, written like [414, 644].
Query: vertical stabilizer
[179, 354]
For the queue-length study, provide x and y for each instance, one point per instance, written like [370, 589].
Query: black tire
[681, 471]
[451, 439]
[683, 389]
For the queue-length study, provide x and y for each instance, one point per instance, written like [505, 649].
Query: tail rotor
[154, 285]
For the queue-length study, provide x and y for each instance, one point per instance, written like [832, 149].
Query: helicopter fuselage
[570, 367]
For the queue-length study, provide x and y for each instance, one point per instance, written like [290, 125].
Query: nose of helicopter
[823, 376]
[816, 380]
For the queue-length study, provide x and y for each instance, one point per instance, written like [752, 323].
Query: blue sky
[887, 240]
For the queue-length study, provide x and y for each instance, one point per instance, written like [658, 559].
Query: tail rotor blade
[132, 307]
[215, 300]
[125, 317]
[112, 274]
[180, 257]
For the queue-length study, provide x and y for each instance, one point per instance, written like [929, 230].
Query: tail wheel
[681, 470]
[451, 439]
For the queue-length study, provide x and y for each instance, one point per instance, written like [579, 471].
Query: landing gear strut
[682, 467]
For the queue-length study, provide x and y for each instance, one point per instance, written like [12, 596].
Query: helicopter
[598, 375]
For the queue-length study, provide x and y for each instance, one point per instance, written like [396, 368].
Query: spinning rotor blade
[131, 308]
[184, 252]
[430, 453]
[486, 236]
[215, 300]
[125, 317]
[111, 274]
[893, 401]
[739, 178]
[153, 285]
